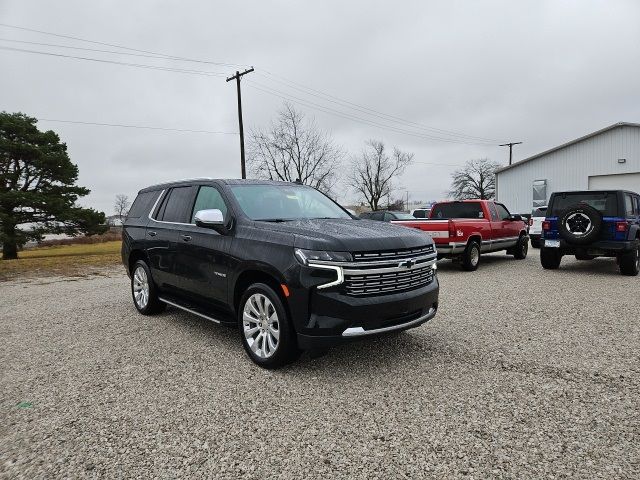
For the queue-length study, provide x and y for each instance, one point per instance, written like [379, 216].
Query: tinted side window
[503, 213]
[208, 198]
[628, 205]
[389, 216]
[377, 215]
[177, 205]
[142, 204]
[637, 205]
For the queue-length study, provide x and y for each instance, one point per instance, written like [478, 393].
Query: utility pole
[510, 145]
[237, 77]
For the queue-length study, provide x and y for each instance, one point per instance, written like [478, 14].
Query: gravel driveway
[523, 373]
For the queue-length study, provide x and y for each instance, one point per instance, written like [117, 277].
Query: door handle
[186, 238]
[152, 234]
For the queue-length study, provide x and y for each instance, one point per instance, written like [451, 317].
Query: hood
[348, 235]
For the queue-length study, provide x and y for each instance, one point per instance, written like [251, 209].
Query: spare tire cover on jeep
[580, 224]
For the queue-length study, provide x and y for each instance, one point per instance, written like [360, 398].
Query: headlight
[309, 256]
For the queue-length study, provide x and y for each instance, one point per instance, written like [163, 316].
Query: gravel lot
[523, 374]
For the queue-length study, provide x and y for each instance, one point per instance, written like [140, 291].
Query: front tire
[550, 258]
[471, 256]
[630, 262]
[144, 290]
[265, 328]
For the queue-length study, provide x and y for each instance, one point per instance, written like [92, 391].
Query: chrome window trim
[153, 209]
[359, 331]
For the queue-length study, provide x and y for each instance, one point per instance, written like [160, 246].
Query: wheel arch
[253, 275]
[134, 256]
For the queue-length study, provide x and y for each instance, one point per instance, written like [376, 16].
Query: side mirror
[209, 219]
[515, 217]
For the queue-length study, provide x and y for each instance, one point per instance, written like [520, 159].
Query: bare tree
[374, 170]
[477, 179]
[294, 148]
[121, 206]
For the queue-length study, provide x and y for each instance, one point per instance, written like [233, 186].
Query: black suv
[281, 261]
[592, 224]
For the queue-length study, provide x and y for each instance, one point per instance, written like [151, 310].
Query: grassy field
[66, 260]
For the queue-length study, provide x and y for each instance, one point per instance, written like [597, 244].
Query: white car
[535, 225]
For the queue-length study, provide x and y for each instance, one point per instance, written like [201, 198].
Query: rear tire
[521, 249]
[630, 262]
[265, 328]
[470, 259]
[535, 243]
[550, 258]
[144, 290]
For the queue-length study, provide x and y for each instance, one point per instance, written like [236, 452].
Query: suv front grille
[392, 255]
[363, 284]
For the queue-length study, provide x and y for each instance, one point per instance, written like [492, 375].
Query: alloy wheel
[141, 287]
[260, 325]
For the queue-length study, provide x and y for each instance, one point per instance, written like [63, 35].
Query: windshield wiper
[274, 220]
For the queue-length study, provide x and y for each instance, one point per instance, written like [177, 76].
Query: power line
[101, 60]
[277, 78]
[173, 57]
[159, 57]
[353, 117]
[510, 145]
[146, 127]
[367, 110]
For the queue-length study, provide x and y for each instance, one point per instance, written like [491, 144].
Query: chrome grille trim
[390, 255]
[388, 280]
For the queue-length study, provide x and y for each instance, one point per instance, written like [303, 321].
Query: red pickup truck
[462, 230]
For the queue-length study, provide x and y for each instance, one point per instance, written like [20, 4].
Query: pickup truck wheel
[470, 259]
[522, 248]
[630, 262]
[535, 243]
[550, 258]
[144, 291]
[265, 329]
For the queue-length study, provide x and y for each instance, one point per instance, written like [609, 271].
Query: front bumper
[337, 318]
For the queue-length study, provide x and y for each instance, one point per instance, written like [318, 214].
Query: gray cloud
[538, 71]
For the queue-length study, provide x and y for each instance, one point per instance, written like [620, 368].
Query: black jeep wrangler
[590, 224]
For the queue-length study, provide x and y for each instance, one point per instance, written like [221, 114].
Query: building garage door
[625, 181]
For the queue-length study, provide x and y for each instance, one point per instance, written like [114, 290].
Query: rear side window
[605, 202]
[457, 210]
[539, 212]
[177, 205]
[377, 216]
[628, 205]
[142, 204]
[420, 214]
[207, 199]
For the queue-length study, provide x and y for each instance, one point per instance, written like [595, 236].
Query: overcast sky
[541, 72]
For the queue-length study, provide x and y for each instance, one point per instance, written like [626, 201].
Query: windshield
[457, 210]
[605, 202]
[285, 202]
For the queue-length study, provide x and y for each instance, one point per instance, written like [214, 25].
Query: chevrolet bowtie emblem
[408, 263]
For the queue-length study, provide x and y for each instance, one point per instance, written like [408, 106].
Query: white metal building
[606, 159]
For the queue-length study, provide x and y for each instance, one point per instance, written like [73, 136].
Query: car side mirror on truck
[212, 218]
[515, 217]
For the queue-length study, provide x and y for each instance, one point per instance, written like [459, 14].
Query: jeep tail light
[546, 225]
[531, 222]
[621, 226]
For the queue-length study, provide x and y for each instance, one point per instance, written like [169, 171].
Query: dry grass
[63, 260]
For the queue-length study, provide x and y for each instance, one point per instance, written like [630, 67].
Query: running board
[211, 319]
